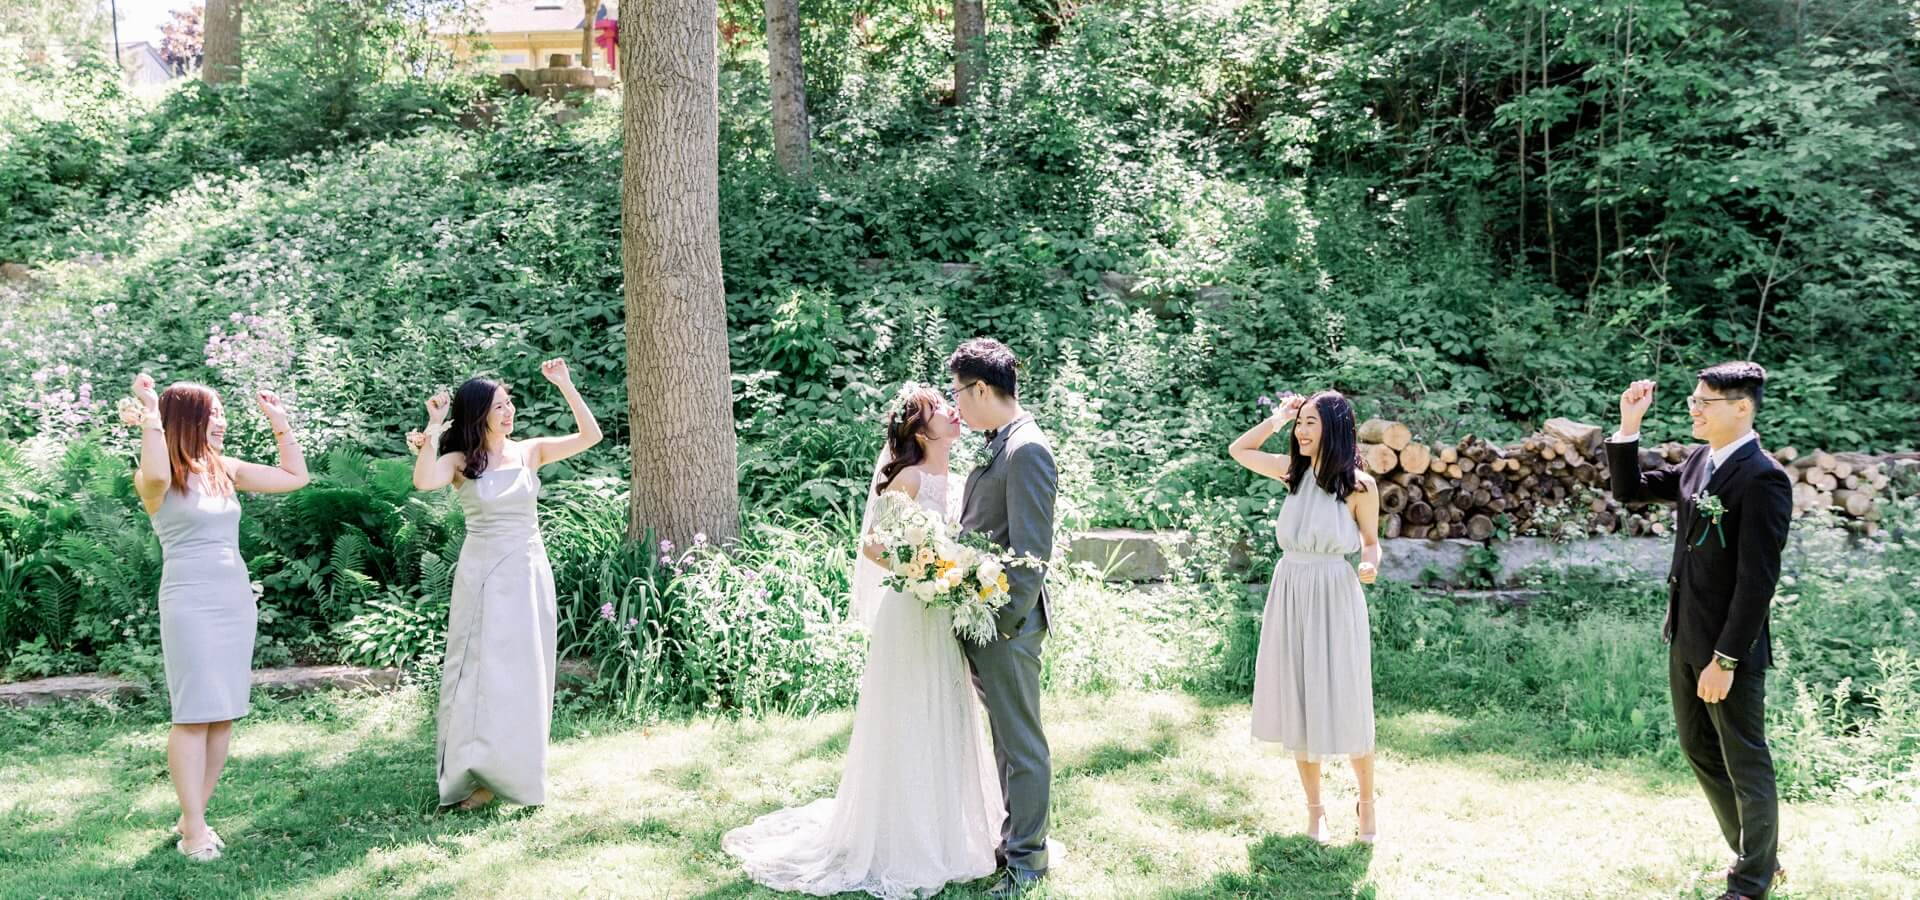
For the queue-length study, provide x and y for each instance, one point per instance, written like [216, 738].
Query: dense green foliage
[76, 145]
[1315, 196]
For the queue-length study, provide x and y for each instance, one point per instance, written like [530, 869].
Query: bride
[919, 805]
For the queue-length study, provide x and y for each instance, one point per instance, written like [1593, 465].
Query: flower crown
[898, 405]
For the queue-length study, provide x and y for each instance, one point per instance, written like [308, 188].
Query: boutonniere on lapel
[1710, 506]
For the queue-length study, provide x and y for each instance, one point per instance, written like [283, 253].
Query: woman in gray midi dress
[1313, 678]
[206, 606]
[496, 689]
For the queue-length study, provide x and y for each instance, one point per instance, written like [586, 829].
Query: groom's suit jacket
[1722, 579]
[1009, 499]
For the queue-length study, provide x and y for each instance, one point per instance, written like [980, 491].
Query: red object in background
[731, 35]
[607, 37]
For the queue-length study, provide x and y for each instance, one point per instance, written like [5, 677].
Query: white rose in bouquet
[990, 569]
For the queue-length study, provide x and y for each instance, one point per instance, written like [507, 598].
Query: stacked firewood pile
[1555, 483]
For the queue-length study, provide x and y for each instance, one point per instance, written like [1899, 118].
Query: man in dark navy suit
[1734, 505]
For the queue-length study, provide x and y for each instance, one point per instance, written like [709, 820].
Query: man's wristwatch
[1725, 663]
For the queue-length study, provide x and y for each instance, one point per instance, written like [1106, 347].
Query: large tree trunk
[788, 88]
[679, 393]
[221, 43]
[969, 47]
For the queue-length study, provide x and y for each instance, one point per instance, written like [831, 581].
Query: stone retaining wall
[1137, 556]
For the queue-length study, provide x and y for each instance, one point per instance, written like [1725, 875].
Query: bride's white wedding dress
[918, 805]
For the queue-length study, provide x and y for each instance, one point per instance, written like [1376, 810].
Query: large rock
[1447, 562]
[1417, 561]
[1128, 554]
[295, 680]
[66, 687]
[1125, 554]
[301, 679]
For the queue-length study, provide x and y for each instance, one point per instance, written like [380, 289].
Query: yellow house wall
[526, 49]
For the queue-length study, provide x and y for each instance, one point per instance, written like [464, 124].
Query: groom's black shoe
[1779, 877]
[1015, 883]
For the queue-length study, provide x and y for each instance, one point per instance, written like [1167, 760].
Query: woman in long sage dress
[496, 688]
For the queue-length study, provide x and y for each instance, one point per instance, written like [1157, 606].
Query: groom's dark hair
[1737, 379]
[987, 360]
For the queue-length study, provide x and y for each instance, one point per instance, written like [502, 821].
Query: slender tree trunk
[1526, 49]
[969, 47]
[1620, 139]
[1546, 157]
[788, 88]
[679, 391]
[220, 47]
[588, 10]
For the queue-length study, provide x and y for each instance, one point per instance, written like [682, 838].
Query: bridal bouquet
[965, 574]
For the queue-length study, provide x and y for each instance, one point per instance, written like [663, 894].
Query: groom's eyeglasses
[1694, 402]
[953, 393]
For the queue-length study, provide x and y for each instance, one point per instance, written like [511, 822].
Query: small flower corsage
[1710, 506]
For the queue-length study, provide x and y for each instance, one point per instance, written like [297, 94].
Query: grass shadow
[1162, 741]
[1292, 866]
[290, 817]
[1510, 744]
[832, 746]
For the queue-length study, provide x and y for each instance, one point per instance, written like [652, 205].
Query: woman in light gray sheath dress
[207, 613]
[496, 687]
[1313, 678]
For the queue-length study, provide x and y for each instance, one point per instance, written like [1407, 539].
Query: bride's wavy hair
[903, 427]
[1339, 448]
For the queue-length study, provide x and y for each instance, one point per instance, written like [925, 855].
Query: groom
[1009, 500]
[1735, 502]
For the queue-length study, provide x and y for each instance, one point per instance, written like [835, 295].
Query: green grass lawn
[1157, 795]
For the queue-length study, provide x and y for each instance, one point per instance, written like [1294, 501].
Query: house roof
[137, 48]
[538, 15]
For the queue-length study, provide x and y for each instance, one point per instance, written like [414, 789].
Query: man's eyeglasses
[953, 393]
[1695, 403]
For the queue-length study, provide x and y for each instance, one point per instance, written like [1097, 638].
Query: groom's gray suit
[1009, 500]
